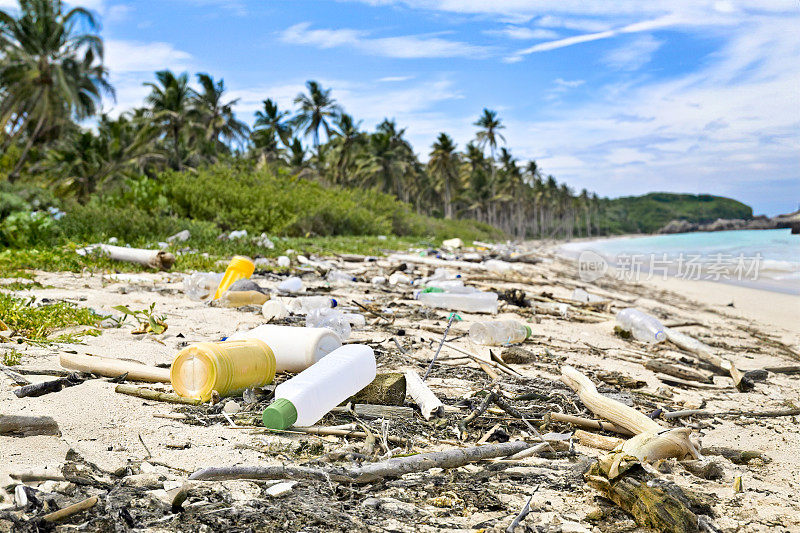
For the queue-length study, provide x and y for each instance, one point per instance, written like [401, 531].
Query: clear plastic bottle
[292, 284]
[200, 285]
[240, 299]
[335, 276]
[499, 332]
[302, 305]
[476, 302]
[311, 394]
[333, 319]
[642, 326]
[454, 286]
[580, 295]
[274, 309]
[399, 278]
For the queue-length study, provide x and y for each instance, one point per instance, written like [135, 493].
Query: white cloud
[395, 79]
[633, 55]
[569, 84]
[406, 46]
[133, 56]
[523, 33]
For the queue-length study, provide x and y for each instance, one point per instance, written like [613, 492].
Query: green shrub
[25, 228]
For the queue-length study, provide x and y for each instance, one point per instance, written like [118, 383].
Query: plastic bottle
[241, 298]
[378, 280]
[201, 285]
[239, 267]
[333, 319]
[642, 326]
[399, 278]
[580, 295]
[284, 261]
[273, 309]
[226, 367]
[454, 286]
[295, 348]
[302, 305]
[495, 265]
[292, 284]
[310, 395]
[476, 302]
[335, 276]
[499, 332]
[552, 308]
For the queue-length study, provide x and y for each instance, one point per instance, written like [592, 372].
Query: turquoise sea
[765, 259]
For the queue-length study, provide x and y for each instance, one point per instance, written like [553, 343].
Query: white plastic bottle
[499, 332]
[311, 394]
[292, 284]
[642, 326]
[476, 302]
[303, 305]
[333, 319]
[295, 348]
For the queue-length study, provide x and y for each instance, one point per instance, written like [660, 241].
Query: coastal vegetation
[185, 160]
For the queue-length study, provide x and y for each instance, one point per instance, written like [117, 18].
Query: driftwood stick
[38, 475]
[705, 353]
[112, 368]
[654, 504]
[25, 426]
[588, 423]
[593, 440]
[16, 377]
[366, 410]
[370, 472]
[678, 371]
[46, 387]
[66, 512]
[158, 396]
[526, 510]
[337, 432]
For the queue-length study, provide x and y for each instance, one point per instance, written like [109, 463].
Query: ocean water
[765, 259]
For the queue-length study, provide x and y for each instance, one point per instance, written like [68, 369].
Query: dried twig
[523, 513]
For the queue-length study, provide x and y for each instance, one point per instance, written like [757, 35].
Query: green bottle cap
[281, 414]
[529, 330]
[432, 289]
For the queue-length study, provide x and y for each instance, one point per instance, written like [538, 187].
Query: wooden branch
[664, 367]
[154, 395]
[705, 353]
[112, 368]
[593, 440]
[66, 512]
[26, 426]
[653, 503]
[366, 410]
[370, 472]
[588, 423]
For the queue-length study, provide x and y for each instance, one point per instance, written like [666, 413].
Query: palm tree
[272, 122]
[221, 125]
[50, 71]
[171, 110]
[488, 134]
[346, 141]
[443, 165]
[316, 109]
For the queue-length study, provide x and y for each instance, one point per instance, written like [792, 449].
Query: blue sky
[619, 97]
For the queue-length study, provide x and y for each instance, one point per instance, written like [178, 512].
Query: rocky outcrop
[790, 220]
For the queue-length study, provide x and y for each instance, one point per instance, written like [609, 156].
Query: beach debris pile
[433, 372]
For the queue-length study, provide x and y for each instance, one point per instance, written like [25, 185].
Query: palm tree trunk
[14, 175]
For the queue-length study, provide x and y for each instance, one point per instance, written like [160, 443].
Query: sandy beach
[125, 435]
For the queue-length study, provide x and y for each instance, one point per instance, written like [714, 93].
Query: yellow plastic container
[240, 267]
[226, 367]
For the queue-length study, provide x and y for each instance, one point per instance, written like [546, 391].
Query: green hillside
[649, 213]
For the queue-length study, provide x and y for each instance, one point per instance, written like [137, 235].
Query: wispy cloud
[404, 46]
[568, 84]
[633, 55]
[523, 33]
[133, 56]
